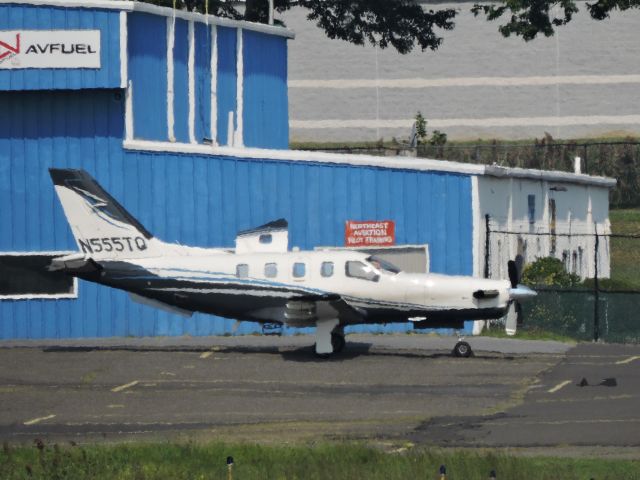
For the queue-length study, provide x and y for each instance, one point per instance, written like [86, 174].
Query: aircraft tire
[462, 350]
[337, 342]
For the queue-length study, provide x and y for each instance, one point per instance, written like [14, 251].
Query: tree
[405, 24]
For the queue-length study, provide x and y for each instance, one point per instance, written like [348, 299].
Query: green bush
[548, 271]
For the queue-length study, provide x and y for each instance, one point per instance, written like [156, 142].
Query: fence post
[596, 289]
[487, 234]
[584, 156]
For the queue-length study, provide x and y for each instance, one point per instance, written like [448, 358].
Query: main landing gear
[337, 340]
[329, 337]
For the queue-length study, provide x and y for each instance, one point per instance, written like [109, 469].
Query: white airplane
[262, 281]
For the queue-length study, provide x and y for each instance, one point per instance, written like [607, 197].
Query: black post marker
[230, 468]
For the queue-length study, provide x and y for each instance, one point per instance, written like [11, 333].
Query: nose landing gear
[462, 350]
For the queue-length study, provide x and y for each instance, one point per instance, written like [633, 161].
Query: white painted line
[628, 360]
[38, 420]
[125, 386]
[192, 84]
[128, 112]
[124, 61]
[470, 122]
[171, 38]
[343, 83]
[559, 386]
[214, 84]
[206, 354]
[238, 140]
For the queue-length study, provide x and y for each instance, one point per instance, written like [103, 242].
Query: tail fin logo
[100, 207]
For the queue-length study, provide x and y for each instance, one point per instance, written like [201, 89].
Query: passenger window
[299, 270]
[270, 270]
[242, 270]
[326, 269]
[360, 270]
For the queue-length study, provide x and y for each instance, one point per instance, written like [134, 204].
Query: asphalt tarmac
[383, 388]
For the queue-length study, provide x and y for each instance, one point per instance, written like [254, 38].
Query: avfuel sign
[373, 233]
[49, 49]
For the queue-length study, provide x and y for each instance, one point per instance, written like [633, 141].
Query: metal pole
[270, 12]
[596, 289]
[487, 233]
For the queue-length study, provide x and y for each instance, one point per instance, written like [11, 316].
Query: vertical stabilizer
[102, 228]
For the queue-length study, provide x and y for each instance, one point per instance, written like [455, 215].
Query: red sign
[370, 234]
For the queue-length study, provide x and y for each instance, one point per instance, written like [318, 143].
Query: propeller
[516, 293]
[514, 276]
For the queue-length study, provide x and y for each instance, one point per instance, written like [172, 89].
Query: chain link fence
[602, 301]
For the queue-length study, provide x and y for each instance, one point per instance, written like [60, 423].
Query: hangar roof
[405, 163]
[132, 6]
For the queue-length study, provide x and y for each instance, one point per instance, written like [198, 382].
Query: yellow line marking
[125, 386]
[559, 386]
[206, 354]
[37, 420]
[628, 360]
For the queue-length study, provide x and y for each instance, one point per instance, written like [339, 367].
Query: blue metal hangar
[184, 119]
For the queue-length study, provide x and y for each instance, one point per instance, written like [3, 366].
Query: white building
[534, 214]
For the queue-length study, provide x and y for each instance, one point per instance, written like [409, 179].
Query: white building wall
[581, 210]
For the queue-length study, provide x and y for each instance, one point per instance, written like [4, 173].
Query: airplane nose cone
[521, 292]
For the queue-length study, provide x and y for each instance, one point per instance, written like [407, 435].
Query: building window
[26, 275]
[242, 270]
[360, 270]
[326, 269]
[270, 270]
[299, 270]
[266, 238]
[531, 202]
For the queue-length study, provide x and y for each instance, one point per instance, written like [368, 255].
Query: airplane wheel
[337, 342]
[462, 349]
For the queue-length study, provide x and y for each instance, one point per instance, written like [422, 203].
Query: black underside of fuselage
[249, 301]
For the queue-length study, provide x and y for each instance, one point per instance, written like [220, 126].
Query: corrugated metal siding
[266, 115]
[217, 197]
[27, 17]
[227, 80]
[181, 81]
[148, 72]
[203, 81]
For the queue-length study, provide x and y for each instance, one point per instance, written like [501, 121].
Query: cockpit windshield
[383, 265]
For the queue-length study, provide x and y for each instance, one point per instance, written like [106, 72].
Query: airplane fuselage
[258, 286]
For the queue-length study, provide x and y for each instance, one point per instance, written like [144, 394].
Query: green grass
[528, 333]
[625, 252]
[327, 461]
